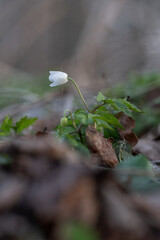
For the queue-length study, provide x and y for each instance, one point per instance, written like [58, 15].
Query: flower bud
[63, 121]
[57, 78]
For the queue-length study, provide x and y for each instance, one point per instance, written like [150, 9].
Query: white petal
[51, 78]
[58, 72]
[53, 84]
[61, 81]
[53, 72]
[63, 74]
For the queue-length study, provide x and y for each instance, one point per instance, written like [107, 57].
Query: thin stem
[75, 84]
[72, 119]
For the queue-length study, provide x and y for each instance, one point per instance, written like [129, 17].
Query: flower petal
[51, 78]
[53, 84]
[59, 73]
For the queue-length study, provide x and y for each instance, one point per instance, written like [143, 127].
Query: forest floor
[48, 190]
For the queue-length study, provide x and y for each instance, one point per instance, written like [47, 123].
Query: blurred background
[98, 42]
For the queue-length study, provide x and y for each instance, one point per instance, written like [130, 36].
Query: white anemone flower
[57, 78]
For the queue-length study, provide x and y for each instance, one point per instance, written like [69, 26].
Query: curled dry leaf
[101, 146]
[128, 123]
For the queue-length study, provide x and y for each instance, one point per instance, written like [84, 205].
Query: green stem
[75, 84]
[72, 119]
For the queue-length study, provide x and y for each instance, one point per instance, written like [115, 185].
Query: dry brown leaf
[128, 123]
[102, 146]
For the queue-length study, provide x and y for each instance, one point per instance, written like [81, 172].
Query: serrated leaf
[79, 110]
[67, 130]
[130, 105]
[80, 118]
[90, 119]
[110, 118]
[141, 171]
[118, 105]
[100, 97]
[6, 125]
[102, 121]
[136, 162]
[102, 109]
[23, 123]
[111, 133]
[71, 140]
[82, 148]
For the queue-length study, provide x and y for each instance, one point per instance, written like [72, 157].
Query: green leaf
[81, 116]
[90, 119]
[118, 105]
[67, 130]
[130, 105]
[79, 110]
[102, 109]
[111, 133]
[23, 123]
[136, 162]
[139, 172]
[6, 125]
[100, 97]
[110, 118]
[71, 140]
[102, 121]
[83, 149]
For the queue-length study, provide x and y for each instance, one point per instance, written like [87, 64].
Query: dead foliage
[102, 147]
[48, 185]
[128, 123]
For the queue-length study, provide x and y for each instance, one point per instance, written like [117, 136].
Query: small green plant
[103, 116]
[8, 128]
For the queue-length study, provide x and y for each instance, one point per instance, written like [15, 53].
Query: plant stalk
[75, 84]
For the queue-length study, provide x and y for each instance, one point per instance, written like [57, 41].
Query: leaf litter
[48, 186]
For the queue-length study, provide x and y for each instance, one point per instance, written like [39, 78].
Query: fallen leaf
[128, 123]
[102, 146]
